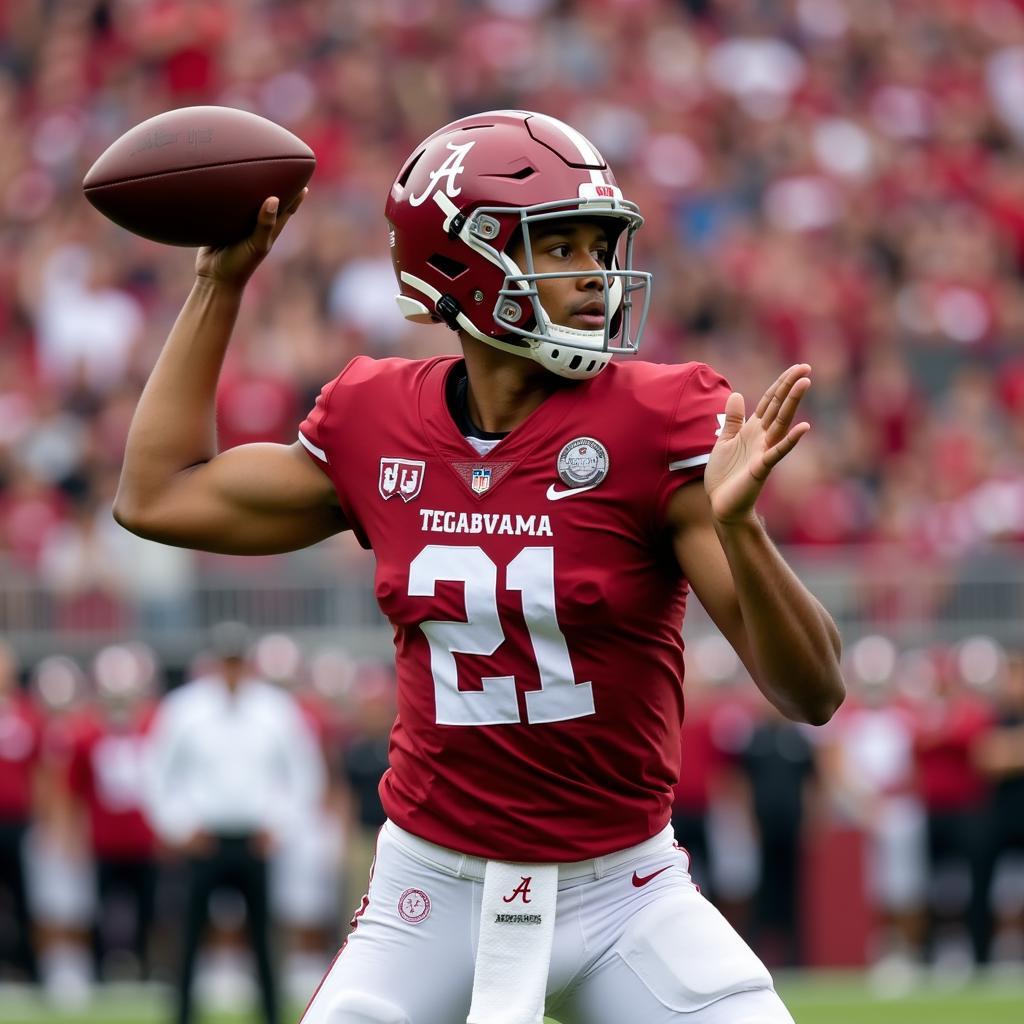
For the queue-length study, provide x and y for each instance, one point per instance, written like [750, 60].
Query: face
[569, 246]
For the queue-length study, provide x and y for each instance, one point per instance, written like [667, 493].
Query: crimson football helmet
[467, 192]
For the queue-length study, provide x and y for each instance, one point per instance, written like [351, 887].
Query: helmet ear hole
[447, 266]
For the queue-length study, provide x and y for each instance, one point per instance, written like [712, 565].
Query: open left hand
[747, 450]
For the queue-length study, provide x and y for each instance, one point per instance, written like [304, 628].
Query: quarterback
[538, 513]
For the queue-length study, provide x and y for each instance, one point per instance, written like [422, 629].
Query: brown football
[197, 175]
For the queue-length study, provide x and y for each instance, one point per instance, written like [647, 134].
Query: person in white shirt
[231, 767]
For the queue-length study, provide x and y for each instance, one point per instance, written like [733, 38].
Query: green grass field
[813, 999]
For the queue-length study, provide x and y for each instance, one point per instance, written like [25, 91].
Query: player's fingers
[779, 425]
[778, 452]
[264, 233]
[296, 202]
[782, 392]
[287, 213]
[762, 406]
[733, 416]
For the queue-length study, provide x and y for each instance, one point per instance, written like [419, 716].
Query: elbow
[814, 701]
[826, 703]
[126, 514]
[131, 515]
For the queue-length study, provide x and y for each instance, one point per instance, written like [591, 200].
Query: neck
[503, 389]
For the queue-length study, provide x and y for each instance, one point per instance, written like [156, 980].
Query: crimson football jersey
[534, 595]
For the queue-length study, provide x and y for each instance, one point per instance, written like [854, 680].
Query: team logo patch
[583, 462]
[481, 480]
[414, 906]
[400, 476]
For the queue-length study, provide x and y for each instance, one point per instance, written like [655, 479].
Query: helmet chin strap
[559, 353]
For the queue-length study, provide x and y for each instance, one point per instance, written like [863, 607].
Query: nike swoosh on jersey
[639, 880]
[554, 495]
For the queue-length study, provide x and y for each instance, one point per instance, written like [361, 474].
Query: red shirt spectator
[20, 732]
[945, 731]
[105, 773]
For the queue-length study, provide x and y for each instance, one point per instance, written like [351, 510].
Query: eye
[561, 251]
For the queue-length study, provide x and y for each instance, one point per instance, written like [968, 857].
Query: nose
[590, 279]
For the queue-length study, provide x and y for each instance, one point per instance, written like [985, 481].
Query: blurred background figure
[20, 740]
[61, 886]
[999, 754]
[949, 718]
[363, 762]
[105, 787]
[306, 870]
[777, 763]
[714, 726]
[232, 767]
[867, 760]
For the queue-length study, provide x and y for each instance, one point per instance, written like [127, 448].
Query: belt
[462, 865]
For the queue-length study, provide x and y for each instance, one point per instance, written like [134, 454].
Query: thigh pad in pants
[687, 954]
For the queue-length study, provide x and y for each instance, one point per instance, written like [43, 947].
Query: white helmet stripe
[582, 145]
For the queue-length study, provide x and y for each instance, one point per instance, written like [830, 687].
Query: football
[197, 175]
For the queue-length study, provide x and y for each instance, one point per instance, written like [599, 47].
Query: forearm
[174, 426]
[794, 643]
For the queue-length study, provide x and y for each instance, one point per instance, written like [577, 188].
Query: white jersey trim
[318, 452]
[697, 460]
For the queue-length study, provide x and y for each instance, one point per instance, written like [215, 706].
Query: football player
[538, 515]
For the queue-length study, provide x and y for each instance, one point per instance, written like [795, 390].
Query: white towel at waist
[517, 928]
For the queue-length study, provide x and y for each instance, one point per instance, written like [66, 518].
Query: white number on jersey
[532, 572]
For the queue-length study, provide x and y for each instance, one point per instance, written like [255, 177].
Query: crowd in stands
[891, 838]
[823, 180]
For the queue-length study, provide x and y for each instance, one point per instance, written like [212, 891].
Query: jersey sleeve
[323, 430]
[326, 432]
[692, 431]
[313, 431]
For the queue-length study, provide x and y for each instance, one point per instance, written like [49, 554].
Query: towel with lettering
[517, 928]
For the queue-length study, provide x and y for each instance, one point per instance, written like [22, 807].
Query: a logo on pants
[400, 476]
[414, 906]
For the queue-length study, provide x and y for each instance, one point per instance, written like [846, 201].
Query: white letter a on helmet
[450, 169]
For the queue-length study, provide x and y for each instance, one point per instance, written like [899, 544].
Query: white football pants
[635, 943]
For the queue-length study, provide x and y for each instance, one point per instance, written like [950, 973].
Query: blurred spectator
[700, 764]
[364, 761]
[87, 326]
[777, 762]
[232, 767]
[61, 888]
[999, 754]
[716, 724]
[20, 732]
[949, 718]
[307, 865]
[868, 761]
[105, 776]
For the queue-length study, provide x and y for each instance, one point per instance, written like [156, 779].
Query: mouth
[591, 315]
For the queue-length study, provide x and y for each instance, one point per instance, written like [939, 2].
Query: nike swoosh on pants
[639, 880]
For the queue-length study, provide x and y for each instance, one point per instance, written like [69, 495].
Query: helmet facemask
[518, 310]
